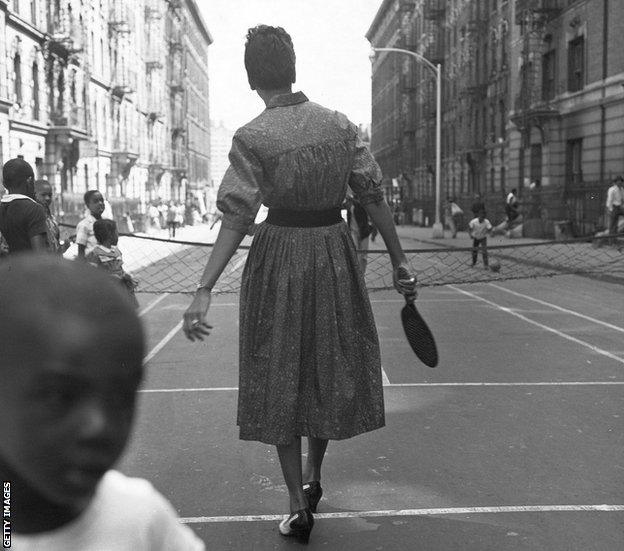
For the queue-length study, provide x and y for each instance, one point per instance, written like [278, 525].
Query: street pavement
[513, 442]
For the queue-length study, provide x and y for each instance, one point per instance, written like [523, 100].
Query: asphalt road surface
[513, 442]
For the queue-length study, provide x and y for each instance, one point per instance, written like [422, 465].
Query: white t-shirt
[84, 233]
[126, 514]
[479, 230]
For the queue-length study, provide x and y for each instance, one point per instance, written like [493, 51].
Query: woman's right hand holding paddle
[405, 281]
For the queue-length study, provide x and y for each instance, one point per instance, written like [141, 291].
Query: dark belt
[304, 218]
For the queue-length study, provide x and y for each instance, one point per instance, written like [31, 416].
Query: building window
[33, 12]
[574, 161]
[576, 65]
[536, 162]
[35, 91]
[17, 80]
[16, 6]
[548, 75]
[503, 119]
[60, 104]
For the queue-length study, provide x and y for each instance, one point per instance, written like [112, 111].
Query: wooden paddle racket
[418, 334]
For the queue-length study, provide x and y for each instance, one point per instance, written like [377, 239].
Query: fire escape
[156, 82]
[472, 85]
[432, 48]
[68, 80]
[123, 83]
[176, 81]
[532, 104]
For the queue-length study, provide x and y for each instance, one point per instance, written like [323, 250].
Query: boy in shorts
[70, 367]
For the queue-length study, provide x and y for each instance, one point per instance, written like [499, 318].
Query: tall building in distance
[109, 95]
[187, 73]
[532, 94]
[220, 145]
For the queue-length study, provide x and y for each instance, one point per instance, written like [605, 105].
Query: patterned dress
[309, 352]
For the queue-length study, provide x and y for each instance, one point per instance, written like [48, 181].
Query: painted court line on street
[418, 301]
[561, 309]
[417, 512]
[153, 304]
[384, 377]
[407, 385]
[561, 334]
[163, 342]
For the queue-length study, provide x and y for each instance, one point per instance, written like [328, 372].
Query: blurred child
[70, 368]
[84, 230]
[107, 256]
[43, 196]
[22, 219]
[478, 229]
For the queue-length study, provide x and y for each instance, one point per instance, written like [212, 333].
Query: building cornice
[25, 27]
[381, 13]
[199, 20]
[30, 127]
[377, 19]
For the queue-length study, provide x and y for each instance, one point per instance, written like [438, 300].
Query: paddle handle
[404, 277]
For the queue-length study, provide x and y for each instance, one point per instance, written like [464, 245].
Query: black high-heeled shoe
[313, 492]
[298, 525]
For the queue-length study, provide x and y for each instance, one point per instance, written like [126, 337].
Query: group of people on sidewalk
[27, 224]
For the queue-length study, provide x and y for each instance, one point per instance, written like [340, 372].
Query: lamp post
[438, 230]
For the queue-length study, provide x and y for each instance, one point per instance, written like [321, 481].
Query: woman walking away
[309, 352]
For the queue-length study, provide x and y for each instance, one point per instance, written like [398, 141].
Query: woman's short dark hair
[269, 58]
[104, 229]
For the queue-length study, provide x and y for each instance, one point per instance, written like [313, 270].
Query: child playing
[107, 256]
[84, 230]
[478, 229]
[70, 367]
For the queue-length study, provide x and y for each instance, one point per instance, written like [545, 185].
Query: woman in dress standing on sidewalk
[309, 352]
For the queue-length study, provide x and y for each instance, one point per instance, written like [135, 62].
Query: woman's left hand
[195, 326]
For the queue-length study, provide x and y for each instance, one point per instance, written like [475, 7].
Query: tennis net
[169, 266]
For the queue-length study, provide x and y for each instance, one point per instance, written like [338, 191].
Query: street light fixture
[438, 230]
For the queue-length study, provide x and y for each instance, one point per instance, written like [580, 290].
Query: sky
[333, 65]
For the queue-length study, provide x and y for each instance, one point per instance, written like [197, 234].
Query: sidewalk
[412, 235]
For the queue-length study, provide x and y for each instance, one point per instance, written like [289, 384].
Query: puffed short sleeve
[239, 195]
[365, 177]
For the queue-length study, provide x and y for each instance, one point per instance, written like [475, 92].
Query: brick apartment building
[90, 97]
[532, 91]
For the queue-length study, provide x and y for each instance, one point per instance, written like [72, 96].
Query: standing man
[22, 219]
[43, 196]
[511, 205]
[615, 203]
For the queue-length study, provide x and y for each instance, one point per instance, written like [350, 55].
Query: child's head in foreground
[70, 367]
[105, 232]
